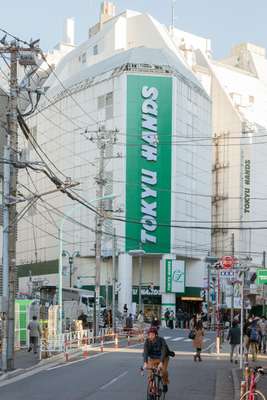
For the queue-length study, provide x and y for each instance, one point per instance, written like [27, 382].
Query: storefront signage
[247, 174]
[174, 276]
[148, 164]
[147, 291]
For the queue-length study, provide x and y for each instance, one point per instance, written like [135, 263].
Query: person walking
[140, 319]
[263, 334]
[198, 340]
[234, 340]
[167, 317]
[35, 334]
[171, 320]
[192, 322]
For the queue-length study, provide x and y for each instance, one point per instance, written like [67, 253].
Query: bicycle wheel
[149, 396]
[257, 396]
[161, 394]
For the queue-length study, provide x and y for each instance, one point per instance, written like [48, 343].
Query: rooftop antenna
[173, 16]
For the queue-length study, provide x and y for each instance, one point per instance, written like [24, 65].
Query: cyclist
[156, 355]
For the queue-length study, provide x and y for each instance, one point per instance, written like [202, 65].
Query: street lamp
[65, 253]
[60, 264]
[139, 253]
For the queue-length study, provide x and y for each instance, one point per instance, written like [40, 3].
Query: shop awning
[187, 298]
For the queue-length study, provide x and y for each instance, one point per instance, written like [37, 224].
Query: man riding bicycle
[156, 355]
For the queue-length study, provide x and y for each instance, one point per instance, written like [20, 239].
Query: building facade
[126, 86]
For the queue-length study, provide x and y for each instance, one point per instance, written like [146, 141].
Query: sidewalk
[23, 360]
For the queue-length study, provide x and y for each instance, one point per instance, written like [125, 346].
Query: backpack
[254, 334]
[170, 353]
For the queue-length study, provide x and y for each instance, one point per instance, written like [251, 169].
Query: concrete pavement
[23, 360]
[116, 375]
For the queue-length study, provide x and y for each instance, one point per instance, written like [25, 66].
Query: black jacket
[156, 350]
[234, 335]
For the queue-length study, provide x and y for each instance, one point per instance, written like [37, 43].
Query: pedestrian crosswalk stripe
[182, 338]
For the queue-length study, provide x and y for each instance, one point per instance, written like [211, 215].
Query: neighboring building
[127, 77]
[237, 87]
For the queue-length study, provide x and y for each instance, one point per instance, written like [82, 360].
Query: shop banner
[174, 276]
[148, 163]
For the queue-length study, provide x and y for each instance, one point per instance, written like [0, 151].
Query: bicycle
[253, 393]
[155, 385]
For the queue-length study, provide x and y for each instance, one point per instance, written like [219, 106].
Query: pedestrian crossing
[182, 339]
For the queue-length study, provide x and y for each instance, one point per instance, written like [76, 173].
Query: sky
[225, 22]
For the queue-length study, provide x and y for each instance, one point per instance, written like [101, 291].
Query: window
[101, 102]
[95, 50]
[83, 58]
[109, 106]
[105, 106]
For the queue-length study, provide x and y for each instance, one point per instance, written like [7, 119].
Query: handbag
[192, 335]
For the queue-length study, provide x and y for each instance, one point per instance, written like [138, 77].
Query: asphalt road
[116, 376]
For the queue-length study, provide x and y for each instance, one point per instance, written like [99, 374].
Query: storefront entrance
[151, 301]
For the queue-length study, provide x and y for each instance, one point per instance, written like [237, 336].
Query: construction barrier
[70, 343]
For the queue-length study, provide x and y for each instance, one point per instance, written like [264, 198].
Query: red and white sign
[228, 262]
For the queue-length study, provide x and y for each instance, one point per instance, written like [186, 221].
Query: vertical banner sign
[148, 164]
[175, 276]
[168, 288]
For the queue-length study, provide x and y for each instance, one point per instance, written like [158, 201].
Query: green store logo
[178, 276]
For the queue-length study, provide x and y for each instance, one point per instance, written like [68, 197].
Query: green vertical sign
[168, 288]
[148, 163]
[261, 277]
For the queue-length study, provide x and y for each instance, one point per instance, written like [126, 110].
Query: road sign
[228, 262]
[227, 274]
[261, 277]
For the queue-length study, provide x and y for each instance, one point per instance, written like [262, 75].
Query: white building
[126, 77]
[237, 86]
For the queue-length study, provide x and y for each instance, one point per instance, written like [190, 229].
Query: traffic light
[218, 265]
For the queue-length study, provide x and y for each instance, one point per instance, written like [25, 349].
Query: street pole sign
[261, 277]
[228, 262]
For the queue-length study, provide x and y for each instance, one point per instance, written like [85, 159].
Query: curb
[236, 381]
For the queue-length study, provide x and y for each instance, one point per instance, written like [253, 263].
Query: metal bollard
[85, 349]
[128, 340]
[116, 342]
[102, 345]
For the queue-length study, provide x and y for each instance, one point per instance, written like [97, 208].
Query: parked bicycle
[154, 385]
[253, 393]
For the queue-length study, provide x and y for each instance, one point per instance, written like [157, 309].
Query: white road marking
[113, 380]
[209, 347]
[188, 340]
[177, 339]
[167, 337]
[75, 362]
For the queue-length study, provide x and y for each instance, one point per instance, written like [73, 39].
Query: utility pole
[104, 138]
[233, 283]
[5, 259]
[12, 230]
[114, 245]
[16, 53]
[99, 224]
